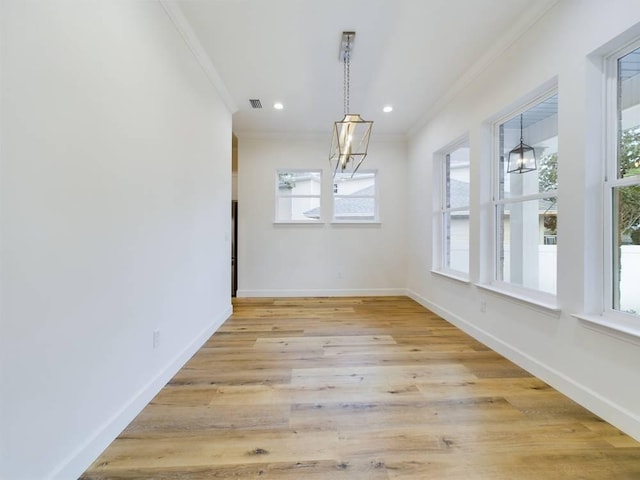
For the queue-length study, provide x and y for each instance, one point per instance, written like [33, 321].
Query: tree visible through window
[629, 158]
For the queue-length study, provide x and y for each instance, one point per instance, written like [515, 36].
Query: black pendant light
[522, 158]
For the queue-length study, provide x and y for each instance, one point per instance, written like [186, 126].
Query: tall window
[525, 201]
[355, 197]
[454, 210]
[622, 184]
[298, 195]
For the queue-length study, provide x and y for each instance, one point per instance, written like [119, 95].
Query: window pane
[626, 263]
[359, 184]
[527, 244]
[355, 197]
[346, 208]
[456, 239]
[539, 131]
[457, 178]
[295, 208]
[629, 114]
[548, 170]
[298, 183]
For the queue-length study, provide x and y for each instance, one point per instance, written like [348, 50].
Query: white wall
[116, 187]
[600, 371]
[320, 259]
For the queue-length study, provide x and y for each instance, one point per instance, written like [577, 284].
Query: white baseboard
[365, 292]
[84, 455]
[604, 407]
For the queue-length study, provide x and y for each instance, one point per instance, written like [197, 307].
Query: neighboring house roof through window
[348, 206]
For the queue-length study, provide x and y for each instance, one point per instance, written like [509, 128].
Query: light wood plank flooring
[359, 388]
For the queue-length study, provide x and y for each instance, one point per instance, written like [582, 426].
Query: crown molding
[259, 135]
[183, 27]
[310, 136]
[526, 21]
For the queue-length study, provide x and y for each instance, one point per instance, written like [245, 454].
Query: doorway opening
[234, 247]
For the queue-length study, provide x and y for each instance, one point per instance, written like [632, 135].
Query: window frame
[441, 247]
[278, 196]
[375, 197]
[539, 297]
[610, 182]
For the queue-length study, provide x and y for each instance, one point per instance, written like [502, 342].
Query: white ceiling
[412, 54]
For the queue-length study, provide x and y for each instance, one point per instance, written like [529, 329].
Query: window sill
[452, 276]
[608, 326]
[356, 222]
[297, 222]
[547, 308]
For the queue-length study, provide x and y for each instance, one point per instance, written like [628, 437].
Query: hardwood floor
[359, 388]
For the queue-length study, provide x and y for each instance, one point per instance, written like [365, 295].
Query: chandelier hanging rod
[346, 46]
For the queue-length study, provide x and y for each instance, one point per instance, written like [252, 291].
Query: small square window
[355, 197]
[298, 194]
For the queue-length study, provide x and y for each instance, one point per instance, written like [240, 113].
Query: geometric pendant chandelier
[350, 136]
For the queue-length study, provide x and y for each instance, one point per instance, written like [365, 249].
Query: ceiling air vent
[255, 103]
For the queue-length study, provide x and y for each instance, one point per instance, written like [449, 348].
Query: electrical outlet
[483, 306]
[156, 338]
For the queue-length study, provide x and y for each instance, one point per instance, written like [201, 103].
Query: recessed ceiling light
[278, 106]
[387, 109]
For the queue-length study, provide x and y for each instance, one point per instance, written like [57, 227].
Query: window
[622, 184]
[355, 198]
[525, 204]
[298, 195]
[453, 244]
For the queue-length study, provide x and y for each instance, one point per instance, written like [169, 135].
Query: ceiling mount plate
[348, 39]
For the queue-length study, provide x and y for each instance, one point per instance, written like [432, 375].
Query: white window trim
[537, 298]
[598, 314]
[452, 275]
[526, 297]
[376, 203]
[439, 231]
[622, 329]
[611, 319]
[319, 196]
